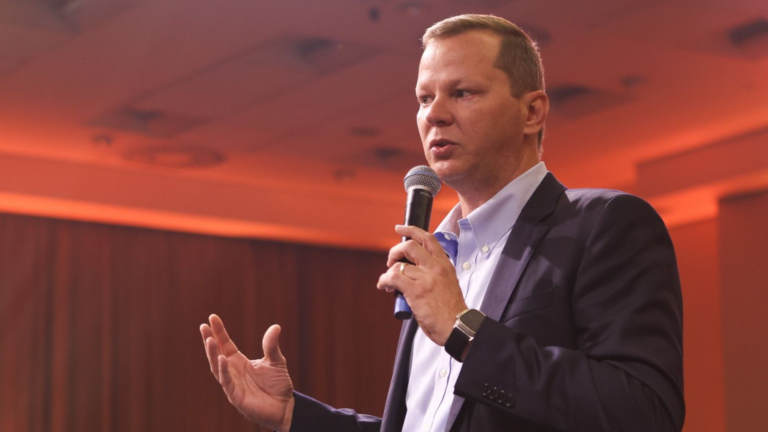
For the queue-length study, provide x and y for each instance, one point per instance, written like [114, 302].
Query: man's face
[469, 122]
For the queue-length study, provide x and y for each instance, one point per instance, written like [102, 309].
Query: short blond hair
[518, 54]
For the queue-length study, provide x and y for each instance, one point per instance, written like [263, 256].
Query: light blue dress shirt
[474, 245]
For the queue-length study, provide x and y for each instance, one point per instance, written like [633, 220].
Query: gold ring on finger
[402, 268]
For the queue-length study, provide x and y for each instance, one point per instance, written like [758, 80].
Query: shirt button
[485, 249]
[447, 237]
[443, 373]
[467, 266]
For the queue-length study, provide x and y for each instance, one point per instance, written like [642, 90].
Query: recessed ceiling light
[102, 140]
[186, 156]
[343, 175]
[633, 81]
[413, 8]
[364, 131]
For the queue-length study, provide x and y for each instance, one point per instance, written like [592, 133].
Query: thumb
[272, 353]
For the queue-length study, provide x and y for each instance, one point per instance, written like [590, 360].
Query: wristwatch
[464, 330]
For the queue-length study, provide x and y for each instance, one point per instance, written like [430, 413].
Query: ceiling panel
[147, 48]
[379, 135]
[309, 107]
[21, 45]
[255, 75]
[70, 16]
[675, 90]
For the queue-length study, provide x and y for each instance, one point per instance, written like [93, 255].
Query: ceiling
[295, 120]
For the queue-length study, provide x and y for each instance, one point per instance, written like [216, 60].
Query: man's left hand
[429, 285]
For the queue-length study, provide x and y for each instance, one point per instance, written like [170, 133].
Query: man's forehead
[467, 51]
[469, 46]
[473, 40]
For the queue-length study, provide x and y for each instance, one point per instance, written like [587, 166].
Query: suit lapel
[525, 236]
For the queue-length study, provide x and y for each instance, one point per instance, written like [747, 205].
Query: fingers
[212, 352]
[410, 250]
[394, 280]
[425, 239]
[422, 246]
[226, 378]
[408, 270]
[206, 332]
[225, 344]
[272, 354]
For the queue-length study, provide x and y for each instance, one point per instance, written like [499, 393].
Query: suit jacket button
[510, 402]
[494, 393]
[486, 390]
[502, 397]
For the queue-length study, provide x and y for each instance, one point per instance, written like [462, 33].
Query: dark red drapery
[99, 324]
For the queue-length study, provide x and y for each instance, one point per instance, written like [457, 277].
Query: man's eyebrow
[452, 83]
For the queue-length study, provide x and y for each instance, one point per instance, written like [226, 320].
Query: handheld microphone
[422, 184]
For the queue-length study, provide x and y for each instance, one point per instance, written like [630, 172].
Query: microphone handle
[417, 213]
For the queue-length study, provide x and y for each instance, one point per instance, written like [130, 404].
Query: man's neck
[473, 196]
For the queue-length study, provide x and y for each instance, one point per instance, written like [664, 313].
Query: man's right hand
[260, 389]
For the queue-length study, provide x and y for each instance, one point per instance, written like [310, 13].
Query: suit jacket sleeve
[312, 415]
[625, 372]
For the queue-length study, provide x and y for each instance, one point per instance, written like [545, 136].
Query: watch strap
[456, 343]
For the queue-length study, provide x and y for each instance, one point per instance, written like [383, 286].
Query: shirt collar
[496, 216]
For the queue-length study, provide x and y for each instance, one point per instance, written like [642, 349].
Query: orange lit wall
[724, 276]
[743, 249]
[696, 246]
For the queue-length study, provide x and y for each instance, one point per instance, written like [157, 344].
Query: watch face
[472, 319]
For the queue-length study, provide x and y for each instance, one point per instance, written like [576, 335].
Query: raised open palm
[260, 389]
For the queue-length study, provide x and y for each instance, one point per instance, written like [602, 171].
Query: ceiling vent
[302, 53]
[576, 100]
[747, 40]
[750, 32]
[61, 15]
[325, 56]
[750, 39]
[385, 158]
[562, 94]
[157, 124]
[364, 132]
[186, 156]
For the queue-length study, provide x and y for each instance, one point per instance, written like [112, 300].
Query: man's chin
[448, 172]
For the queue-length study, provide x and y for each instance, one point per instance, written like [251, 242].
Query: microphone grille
[424, 177]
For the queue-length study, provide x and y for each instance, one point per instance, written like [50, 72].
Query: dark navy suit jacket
[584, 328]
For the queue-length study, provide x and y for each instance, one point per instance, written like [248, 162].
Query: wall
[696, 246]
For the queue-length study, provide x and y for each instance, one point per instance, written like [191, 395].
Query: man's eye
[462, 93]
[424, 100]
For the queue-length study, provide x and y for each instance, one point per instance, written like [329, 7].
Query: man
[536, 308]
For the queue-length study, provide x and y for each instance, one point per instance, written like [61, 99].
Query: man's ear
[537, 104]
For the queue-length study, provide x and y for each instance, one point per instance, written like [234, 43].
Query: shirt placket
[467, 248]
[463, 262]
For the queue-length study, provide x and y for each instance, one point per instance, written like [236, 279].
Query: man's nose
[439, 113]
